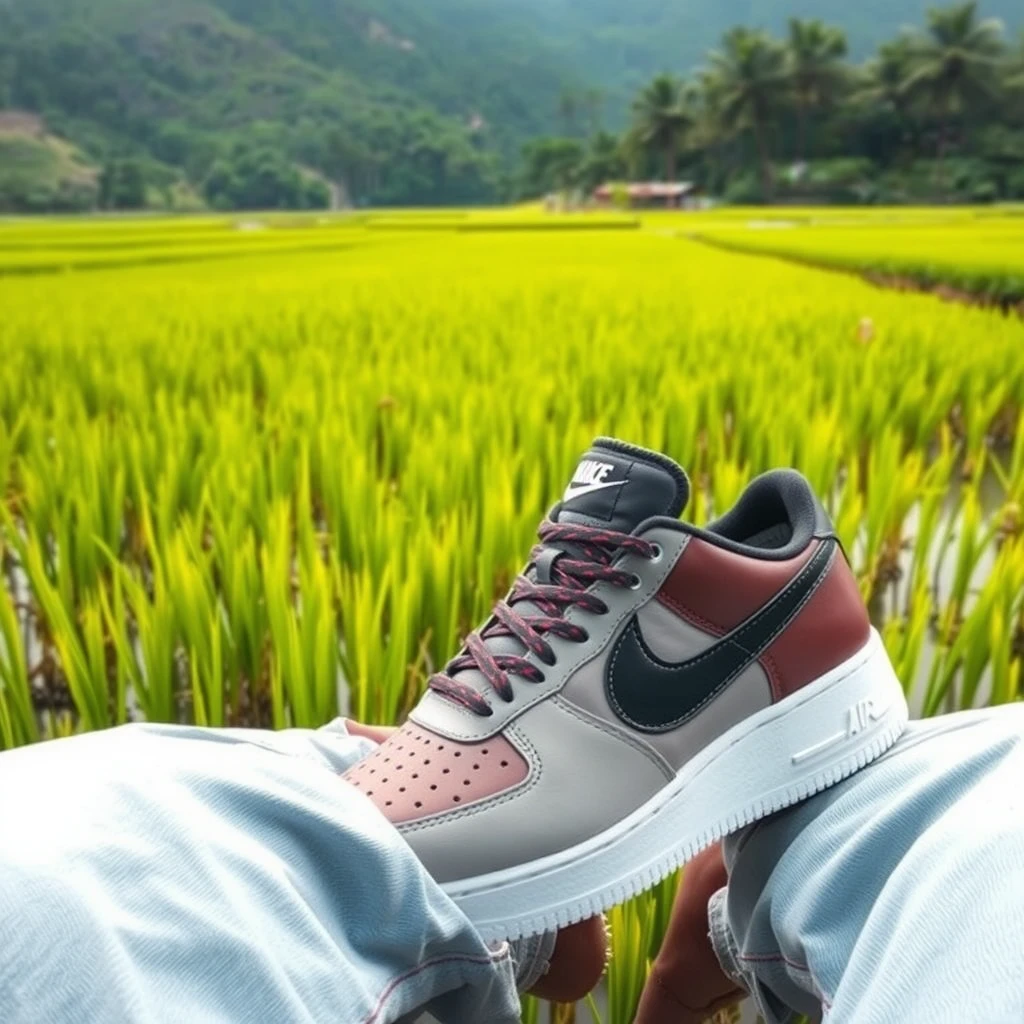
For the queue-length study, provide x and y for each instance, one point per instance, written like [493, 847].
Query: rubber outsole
[808, 742]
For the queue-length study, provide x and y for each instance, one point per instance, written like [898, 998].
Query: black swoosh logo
[655, 695]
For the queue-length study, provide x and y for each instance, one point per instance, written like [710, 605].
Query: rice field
[273, 486]
[961, 253]
[46, 248]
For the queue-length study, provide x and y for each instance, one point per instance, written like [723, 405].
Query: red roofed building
[647, 193]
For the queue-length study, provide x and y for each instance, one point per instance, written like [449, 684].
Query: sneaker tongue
[618, 485]
[615, 486]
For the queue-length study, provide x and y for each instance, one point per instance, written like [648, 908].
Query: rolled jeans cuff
[532, 959]
[723, 942]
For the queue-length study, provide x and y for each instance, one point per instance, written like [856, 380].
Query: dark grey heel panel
[777, 516]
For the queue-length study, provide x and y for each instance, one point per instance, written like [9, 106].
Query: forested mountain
[428, 101]
[619, 46]
[328, 82]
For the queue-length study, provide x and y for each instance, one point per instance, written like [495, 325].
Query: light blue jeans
[171, 874]
[162, 874]
[897, 897]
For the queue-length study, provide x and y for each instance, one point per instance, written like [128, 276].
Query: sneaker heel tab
[823, 526]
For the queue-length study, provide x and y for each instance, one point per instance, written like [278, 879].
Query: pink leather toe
[417, 773]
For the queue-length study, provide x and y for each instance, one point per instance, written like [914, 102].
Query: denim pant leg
[897, 897]
[172, 875]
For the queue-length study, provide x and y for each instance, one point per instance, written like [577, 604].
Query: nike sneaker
[645, 687]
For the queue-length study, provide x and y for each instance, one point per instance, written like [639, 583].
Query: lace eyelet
[585, 638]
[637, 582]
[657, 553]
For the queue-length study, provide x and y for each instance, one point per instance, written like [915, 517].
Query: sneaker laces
[571, 573]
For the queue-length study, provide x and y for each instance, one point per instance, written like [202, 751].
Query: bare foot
[377, 733]
[687, 985]
[577, 963]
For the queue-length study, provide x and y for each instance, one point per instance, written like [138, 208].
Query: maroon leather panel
[717, 589]
[831, 627]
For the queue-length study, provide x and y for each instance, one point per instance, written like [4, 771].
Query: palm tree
[954, 66]
[884, 78]
[603, 162]
[709, 133]
[661, 118]
[1015, 65]
[818, 73]
[749, 85]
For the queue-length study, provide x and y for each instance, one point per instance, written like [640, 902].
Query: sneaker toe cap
[418, 774]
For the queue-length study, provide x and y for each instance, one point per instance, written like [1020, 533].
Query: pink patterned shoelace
[572, 575]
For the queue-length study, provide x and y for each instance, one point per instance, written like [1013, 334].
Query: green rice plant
[300, 610]
[198, 614]
[727, 482]
[979, 411]
[1010, 475]
[893, 483]
[818, 452]
[975, 535]
[236, 566]
[142, 621]
[76, 635]
[932, 506]
[984, 641]
[633, 934]
[847, 512]
[268, 490]
[905, 637]
[662, 899]
[530, 1012]
[384, 657]
[17, 716]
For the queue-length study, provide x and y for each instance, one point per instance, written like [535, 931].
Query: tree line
[935, 114]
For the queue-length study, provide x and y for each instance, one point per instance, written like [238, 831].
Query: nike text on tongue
[622, 485]
[591, 476]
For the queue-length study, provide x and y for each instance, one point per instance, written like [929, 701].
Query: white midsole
[773, 759]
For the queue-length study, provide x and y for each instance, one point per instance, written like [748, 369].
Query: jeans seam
[759, 958]
[439, 961]
[780, 958]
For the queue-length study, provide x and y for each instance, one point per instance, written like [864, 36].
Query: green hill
[343, 87]
[398, 101]
[40, 172]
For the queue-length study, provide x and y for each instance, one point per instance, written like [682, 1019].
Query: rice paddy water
[263, 473]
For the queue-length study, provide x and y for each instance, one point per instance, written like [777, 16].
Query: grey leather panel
[671, 638]
[455, 722]
[583, 779]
